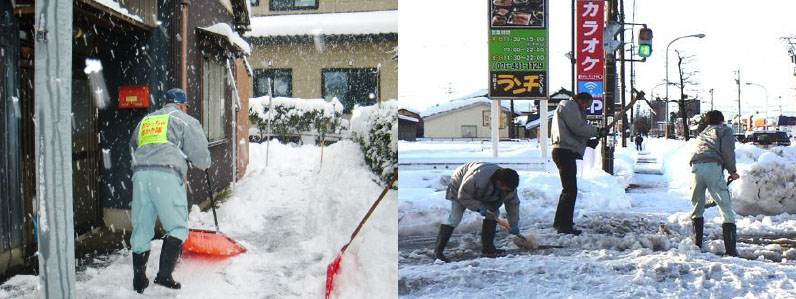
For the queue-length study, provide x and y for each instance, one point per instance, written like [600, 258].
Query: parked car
[769, 138]
[740, 137]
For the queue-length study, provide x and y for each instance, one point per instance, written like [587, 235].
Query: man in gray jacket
[714, 152]
[162, 143]
[571, 134]
[481, 187]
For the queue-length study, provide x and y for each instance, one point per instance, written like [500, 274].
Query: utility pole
[53, 105]
[711, 99]
[609, 95]
[738, 82]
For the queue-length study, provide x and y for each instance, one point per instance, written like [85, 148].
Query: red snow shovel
[209, 241]
[332, 269]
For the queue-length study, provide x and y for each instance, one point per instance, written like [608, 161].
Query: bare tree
[687, 77]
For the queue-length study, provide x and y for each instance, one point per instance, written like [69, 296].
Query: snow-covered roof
[407, 118]
[351, 23]
[223, 29]
[536, 122]
[118, 8]
[459, 104]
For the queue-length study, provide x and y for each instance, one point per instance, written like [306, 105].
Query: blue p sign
[595, 89]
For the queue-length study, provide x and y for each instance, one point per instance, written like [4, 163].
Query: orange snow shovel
[332, 269]
[209, 241]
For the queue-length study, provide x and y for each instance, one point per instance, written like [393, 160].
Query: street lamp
[765, 125]
[667, 75]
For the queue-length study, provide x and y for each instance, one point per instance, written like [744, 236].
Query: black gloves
[592, 143]
[602, 132]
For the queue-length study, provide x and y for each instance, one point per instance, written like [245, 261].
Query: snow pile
[768, 182]
[353, 23]
[422, 203]
[376, 129]
[223, 29]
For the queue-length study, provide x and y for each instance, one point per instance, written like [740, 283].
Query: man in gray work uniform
[714, 152]
[163, 142]
[481, 187]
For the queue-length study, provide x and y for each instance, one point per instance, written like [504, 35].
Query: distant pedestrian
[715, 152]
[639, 141]
[163, 142]
[481, 187]
[570, 134]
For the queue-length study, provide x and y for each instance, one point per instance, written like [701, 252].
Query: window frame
[474, 129]
[207, 105]
[271, 6]
[349, 71]
[272, 72]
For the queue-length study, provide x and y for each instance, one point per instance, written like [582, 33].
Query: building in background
[326, 49]
[467, 117]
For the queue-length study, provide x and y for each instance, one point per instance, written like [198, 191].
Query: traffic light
[645, 42]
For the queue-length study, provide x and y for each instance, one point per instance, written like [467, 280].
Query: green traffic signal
[644, 50]
[645, 42]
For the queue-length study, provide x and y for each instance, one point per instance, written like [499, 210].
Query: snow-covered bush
[293, 116]
[376, 130]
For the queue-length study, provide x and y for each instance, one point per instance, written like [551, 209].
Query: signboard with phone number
[518, 49]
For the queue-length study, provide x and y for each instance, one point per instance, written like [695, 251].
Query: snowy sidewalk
[639, 249]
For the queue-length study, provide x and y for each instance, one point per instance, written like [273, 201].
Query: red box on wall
[134, 96]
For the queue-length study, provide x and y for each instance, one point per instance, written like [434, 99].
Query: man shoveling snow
[482, 187]
[162, 143]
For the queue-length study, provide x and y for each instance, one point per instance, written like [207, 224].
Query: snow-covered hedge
[294, 116]
[376, 130]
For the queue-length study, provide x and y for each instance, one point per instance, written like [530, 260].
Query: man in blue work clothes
[163, 143]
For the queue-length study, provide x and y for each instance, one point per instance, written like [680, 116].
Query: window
[281, 78]
[293, 4]
[214, 80]
[255, 2]
[350, 86]
[469, 131]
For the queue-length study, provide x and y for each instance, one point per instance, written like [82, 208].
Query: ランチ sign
[590, 54]
[518, 49]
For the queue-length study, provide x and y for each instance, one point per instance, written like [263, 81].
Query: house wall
[307, 61]
[329, 6]
[449, 125]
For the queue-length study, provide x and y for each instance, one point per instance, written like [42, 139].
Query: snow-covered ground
[293, 216]
[636, 241]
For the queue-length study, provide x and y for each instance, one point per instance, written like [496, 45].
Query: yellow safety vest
[153, 129]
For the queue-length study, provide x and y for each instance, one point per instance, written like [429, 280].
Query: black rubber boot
[698, 225]
[730, 238]
[445, 232]
[569, 231]
[140, 281]
[488, 228]
[172, 248]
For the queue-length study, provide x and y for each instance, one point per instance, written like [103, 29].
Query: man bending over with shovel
[481, 187]
[163, 142]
